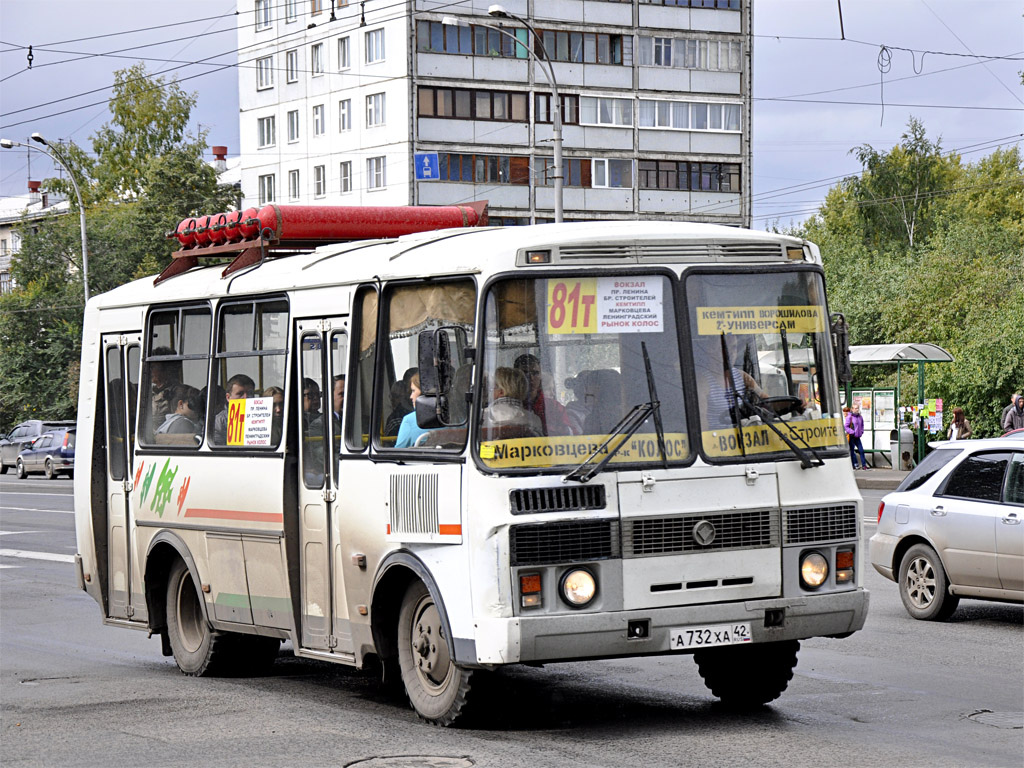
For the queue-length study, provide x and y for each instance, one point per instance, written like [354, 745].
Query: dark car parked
[22, 436]
[52, 453]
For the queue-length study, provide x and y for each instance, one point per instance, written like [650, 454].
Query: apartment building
[428, 102]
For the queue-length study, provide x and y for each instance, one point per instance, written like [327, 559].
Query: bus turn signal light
[844, 566]
[529, 590]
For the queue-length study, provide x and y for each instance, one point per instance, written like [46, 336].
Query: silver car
[955, 527]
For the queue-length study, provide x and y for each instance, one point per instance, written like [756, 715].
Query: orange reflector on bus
[844, 559]
[538, 257]
[529, 590]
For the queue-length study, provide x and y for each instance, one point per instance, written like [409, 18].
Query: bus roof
[474, 250]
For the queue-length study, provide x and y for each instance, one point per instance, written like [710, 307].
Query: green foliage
[949, 271]
[145, 174]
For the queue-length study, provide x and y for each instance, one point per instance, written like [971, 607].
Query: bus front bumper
[606, 635]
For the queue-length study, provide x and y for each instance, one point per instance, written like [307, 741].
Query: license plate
[682, 638]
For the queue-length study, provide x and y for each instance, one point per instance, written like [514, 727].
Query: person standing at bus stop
[854, 425]
[959, 428]
[1015, 416]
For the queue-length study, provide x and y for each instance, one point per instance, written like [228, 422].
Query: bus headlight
[578, 587]
[813, 570]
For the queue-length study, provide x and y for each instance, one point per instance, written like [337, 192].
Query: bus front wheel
[746, 676]
[198, 649]
[437, 687]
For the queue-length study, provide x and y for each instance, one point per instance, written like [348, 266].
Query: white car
[955, 527]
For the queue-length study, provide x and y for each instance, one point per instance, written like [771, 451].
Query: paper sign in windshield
[712, 321]
[605, 305]
[249, 421]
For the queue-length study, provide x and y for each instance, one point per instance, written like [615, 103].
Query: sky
[829, 75]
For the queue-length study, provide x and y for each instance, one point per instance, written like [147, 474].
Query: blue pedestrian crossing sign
[426, 166]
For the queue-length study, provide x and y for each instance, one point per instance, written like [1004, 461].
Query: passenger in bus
[316, 425]
[239, 387]
[185, 418]
[409, 431]
[310, 402]
[163, 376]
[507, 417]
[578, 408]
[604, 397]
[277, 417]
[400, 403]
[552, 415]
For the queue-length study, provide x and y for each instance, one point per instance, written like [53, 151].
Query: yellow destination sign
[818, 433]
[712, 321]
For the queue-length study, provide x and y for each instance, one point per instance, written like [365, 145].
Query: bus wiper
[769, 418]
[627, 426]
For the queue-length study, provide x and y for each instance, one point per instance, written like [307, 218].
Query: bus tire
[436, 686]
[199, 650]
[748, 676]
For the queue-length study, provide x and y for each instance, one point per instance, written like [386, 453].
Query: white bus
[626, 441]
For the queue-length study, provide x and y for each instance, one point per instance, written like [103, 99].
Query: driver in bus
[725, 392]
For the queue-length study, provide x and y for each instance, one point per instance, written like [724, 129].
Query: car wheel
[48, 470]
[22, 474]
[437, 687]
[924, 587]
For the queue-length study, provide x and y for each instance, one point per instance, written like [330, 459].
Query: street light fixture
[52, 153]
[556, 110]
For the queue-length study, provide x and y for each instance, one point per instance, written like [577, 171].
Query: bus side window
[252, 346]
[359, 385]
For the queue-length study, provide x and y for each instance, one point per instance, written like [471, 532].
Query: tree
[144, 176]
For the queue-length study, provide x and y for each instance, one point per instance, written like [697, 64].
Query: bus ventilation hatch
[816, 524]
[525, 501]
[572, 541]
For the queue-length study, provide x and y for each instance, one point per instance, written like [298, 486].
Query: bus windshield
[563, 363]
[763, 363]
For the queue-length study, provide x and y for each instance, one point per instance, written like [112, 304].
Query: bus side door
[122, 364]
[323, 345]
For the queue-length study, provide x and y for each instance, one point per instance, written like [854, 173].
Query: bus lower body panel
[605, 635]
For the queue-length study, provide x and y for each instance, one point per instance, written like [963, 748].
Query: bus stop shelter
[900, 355]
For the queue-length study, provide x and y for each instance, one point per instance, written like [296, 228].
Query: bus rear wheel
[198, 649]
[748, 676]
[437, 687]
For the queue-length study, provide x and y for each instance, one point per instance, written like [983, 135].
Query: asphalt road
[76, 693]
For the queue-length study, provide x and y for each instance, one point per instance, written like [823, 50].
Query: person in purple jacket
[854, 424]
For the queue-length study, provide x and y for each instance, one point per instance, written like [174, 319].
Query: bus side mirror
[841, 345]
[439, 350]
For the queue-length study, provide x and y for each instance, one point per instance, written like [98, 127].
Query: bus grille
[836, 523]
[570, 541]
[413, 503]
[524, 501]
[752, 529]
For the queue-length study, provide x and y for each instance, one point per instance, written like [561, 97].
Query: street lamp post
[556, 110]
[54, 155]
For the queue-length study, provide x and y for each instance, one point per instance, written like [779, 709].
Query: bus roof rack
[275, 231]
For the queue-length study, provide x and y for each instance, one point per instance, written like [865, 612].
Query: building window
[689, 176]
[375, 110]
[267, 137]
[583, 47]
[612, 173]
[293, 185]
[374, 46]
[319, 180]
[605, 111]
[703, 54]
[575, 172]
[293, 126]
[687, 115]
[465, 104]
[722, 5]
[291, 10]
[264, 14]
[376, 173]
[319, 120]
[345, 176]
[570, 109]
[316, 59]
[435, 37]
[344, 59]
[264, 73]
[484, 169]
[267, 189]
[316, 7]
[345, 115]
[291, 66]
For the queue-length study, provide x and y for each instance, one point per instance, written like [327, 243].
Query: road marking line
[29, 555]
[15, 533]
[26, 493]
[36, 509]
